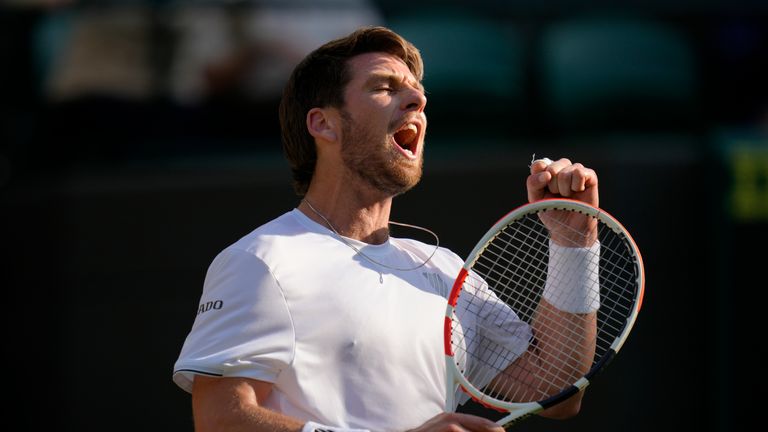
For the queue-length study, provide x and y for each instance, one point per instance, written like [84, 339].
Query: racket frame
[516, 410]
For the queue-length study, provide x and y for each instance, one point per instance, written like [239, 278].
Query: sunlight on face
[383, 104]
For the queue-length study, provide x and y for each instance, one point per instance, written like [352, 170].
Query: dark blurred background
[138, 138]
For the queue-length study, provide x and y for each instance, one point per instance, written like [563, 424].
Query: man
[319, 320]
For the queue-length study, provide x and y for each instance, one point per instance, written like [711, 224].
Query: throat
[376, 237]
[385, 230]
[361, 227]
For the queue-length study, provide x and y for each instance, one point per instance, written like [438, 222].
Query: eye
[387, 89]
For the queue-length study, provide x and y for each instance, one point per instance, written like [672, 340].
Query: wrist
[573, 278]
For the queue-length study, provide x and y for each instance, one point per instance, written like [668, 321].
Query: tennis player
[318, 319]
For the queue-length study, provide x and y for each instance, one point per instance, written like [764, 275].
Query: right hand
[457, 422]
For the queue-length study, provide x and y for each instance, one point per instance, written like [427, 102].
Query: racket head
[510, 264]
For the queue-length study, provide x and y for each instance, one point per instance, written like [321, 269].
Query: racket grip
[311, 426]
[573, 282]
[546, 160]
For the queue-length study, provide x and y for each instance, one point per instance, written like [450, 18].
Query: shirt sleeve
[243, 326]
[502, 337]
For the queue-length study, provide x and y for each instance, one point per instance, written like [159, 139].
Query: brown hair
[319, 81]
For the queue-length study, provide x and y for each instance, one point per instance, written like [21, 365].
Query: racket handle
[311, 426]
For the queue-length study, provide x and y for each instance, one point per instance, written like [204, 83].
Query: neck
[351, 218]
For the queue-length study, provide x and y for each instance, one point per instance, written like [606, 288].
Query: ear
[322, 124]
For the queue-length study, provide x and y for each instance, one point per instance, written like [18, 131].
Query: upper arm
[249, 334]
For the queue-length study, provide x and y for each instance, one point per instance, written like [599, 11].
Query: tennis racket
[543, 302]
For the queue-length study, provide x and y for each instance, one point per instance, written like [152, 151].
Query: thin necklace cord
[360, 252]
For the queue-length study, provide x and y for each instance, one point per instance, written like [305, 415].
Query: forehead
[365, 65]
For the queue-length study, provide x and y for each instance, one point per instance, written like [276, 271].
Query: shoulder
[282, 243]
[284, 234]
[251, 251]
[282, 226]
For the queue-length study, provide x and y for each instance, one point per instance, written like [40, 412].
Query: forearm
[565, 320]
[565, 350]
[240, 417]
[250, 419]
[564, 340]
[233, 405]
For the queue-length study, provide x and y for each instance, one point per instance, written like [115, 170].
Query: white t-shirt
[345, 342]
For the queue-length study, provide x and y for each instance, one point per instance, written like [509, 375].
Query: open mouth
[407, 139]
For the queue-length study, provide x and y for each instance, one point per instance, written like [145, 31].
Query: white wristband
[311, 426]
[573, 281]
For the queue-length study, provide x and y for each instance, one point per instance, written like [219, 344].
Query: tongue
[404, 137]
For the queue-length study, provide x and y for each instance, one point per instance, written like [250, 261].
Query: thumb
[540, 165]
[537, 185]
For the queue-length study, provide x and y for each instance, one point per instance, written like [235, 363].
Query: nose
[415, 99]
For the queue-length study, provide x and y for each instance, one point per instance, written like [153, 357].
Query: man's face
[383, 124]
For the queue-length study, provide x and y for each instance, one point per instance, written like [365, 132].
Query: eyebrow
[393, 79]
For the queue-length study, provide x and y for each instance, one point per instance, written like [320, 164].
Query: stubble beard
[370, 159]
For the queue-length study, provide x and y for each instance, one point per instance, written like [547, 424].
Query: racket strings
[551, 375]
[513, 269]
[618, 272]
